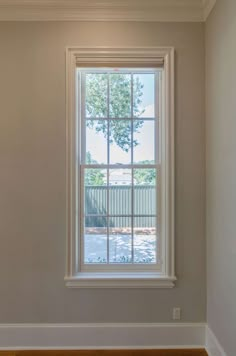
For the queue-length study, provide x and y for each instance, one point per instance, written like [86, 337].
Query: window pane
[96, 141]
[145, 191]
[95, 191]
[96, 95]
[95, 240]
[120, 95]
[120, 240]
[144, 89]
[144, 142]
[120, 191]
[144, 240]
[120, 141]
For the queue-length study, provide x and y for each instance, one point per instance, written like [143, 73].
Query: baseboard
[213, 346]
[101, 336]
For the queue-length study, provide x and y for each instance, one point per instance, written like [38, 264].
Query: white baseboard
[102, 336]
[213, 346]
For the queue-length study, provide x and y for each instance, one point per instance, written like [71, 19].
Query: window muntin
[120, 174]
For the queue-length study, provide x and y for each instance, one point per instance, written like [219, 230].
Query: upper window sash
[82, 117]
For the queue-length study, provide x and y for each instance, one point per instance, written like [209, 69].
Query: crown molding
[105, 10]
[207, 7]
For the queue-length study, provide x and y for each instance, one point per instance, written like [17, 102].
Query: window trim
[75, 56]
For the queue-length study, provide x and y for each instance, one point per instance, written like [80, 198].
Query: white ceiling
[108, 10]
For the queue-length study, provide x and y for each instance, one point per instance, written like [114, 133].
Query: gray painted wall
[33, 199]
[221, 172]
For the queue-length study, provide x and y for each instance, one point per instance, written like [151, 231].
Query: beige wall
[32, 179]
[221, 172]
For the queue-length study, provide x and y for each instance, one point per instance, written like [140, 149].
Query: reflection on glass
[120, 240]
[145, 191]
[120, 95]
[95, 191]
[143, 90]
[144, 143]
[120, 141]
[96, 95]
[96, 141]
[95, 240]
[144, 240]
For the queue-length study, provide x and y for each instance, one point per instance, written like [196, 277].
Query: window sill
[120, 280]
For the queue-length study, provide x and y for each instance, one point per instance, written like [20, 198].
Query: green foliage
[96, 95]
[93, 176]
[119, 106]
[142, 176]
[145, 176]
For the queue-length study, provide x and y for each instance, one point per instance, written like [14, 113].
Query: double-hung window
[120, 168]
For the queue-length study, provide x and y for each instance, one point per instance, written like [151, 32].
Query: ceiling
[106, 10]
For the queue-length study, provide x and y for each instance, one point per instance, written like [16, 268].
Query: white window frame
[165, 277]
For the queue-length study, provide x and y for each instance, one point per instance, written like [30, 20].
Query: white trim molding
[101, 336]
[213, 346]
[165, 276]
[207, 8]
[117, 280]
[100, 10]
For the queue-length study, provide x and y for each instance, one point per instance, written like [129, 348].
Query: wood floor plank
[185, 352]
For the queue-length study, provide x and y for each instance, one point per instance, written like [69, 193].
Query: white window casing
[164, 275]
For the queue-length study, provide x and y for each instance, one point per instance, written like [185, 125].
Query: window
[120, 179]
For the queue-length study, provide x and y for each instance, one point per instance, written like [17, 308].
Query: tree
[119, 106]
[145, 176]
[93, 176]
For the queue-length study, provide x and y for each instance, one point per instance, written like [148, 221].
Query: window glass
[119, 140]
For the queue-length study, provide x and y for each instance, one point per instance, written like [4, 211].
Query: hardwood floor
[186, 352]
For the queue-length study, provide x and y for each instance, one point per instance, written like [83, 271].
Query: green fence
[120, 204]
